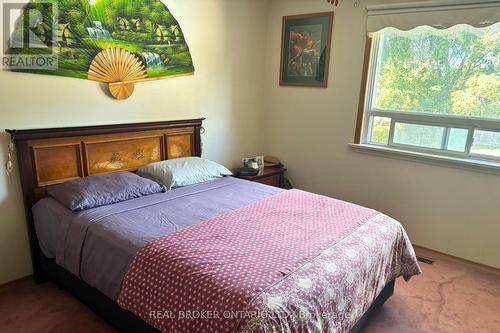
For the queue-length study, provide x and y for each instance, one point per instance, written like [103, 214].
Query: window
[435, 91]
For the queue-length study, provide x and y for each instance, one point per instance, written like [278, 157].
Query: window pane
[453, 71]
[418, 135]
[486, 143]
[380, 130]
[457, 139]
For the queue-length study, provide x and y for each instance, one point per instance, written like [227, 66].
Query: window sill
[461, 163]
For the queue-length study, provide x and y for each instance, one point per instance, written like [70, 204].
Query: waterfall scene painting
[75, 31]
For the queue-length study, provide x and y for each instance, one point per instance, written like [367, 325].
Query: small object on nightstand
[269, 175]
[271, 161]
[245, 172]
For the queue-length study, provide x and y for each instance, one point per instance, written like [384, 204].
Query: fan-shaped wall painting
[112, 41]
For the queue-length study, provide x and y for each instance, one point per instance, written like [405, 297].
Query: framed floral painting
[305, 49]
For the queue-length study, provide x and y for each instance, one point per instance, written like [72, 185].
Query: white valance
[438, 14]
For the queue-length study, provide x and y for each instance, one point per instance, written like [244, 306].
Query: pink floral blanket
[293, 262]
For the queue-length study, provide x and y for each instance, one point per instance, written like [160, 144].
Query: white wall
[448, 210]
[226, 88]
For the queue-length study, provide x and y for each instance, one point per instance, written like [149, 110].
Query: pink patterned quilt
[294, 262]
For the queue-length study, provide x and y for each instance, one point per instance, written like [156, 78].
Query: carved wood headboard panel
[52, 156]
[57, 160]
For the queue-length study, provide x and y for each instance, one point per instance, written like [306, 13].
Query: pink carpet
[450, 296]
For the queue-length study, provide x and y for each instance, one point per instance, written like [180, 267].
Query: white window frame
[421, 118]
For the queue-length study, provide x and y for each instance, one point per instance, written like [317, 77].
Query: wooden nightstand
[270, 176]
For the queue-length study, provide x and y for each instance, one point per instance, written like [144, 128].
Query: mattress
[98, 245]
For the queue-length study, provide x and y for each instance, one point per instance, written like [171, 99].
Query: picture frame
[247, 162]
[260, 161]
[305, 49]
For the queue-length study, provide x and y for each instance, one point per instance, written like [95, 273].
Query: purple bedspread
[98, 245]
[291, 263]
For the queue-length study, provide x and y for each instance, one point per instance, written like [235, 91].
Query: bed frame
[52, 156]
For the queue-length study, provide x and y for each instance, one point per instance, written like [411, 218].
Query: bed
[94, 254]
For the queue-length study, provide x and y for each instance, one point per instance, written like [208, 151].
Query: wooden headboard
[54, 155]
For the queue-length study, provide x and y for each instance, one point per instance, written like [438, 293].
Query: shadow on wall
[14, 251]
[245, 75]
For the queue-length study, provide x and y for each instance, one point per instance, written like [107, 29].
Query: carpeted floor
[450, 296]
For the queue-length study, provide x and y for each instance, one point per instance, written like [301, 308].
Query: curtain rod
[433, 3]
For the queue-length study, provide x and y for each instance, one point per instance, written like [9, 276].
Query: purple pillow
[89, 192]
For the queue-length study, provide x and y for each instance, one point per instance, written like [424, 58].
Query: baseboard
[434, 255]
[10, 283]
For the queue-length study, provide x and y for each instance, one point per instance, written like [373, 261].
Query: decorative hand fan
[118, 42]
[120, 69]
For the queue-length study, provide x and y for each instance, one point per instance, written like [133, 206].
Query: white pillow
[183, 171]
